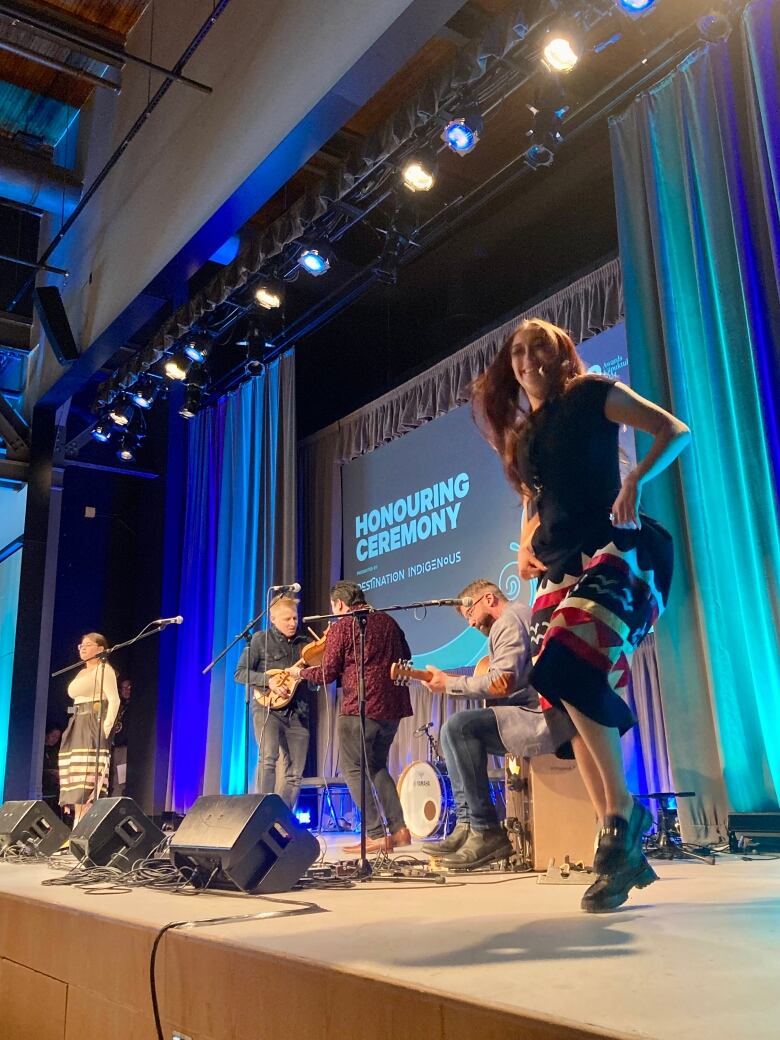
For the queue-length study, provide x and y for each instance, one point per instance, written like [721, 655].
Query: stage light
[315, 259]
[269, 297]
[197, 348]
[256, 347]
[192, 402]
[177, 367]
[714, 27]
[545, 135]
[102, 431]
[462, 135]
[126, 449]
[143, 393]
[563, 47]
[419, 171]
[121, 411]
[635, 6]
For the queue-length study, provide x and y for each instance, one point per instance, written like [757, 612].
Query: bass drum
[426, 799]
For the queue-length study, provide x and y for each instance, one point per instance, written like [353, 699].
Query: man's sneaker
[447, 846]
[610, 891]
[479, 849]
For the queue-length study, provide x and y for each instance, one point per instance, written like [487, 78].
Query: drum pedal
[566, 874]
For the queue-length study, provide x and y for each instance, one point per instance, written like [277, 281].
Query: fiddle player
[386, 704]
[280, 733]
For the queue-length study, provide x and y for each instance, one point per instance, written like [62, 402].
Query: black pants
[285, 735]
[379, 737]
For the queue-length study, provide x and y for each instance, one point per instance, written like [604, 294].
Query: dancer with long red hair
[604, 567]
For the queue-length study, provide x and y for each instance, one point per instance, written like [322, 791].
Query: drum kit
[425, 792]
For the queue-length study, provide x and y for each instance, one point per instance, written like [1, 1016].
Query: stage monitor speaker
[249, 842]
[115, 832]
[33, 825]
[551, 799]
[48, 305]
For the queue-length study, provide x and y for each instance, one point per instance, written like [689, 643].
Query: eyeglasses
[470, 610]
[81, 646]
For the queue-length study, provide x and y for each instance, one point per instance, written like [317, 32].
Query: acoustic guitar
[401, 672]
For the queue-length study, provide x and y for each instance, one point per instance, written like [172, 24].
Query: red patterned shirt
[385, 643]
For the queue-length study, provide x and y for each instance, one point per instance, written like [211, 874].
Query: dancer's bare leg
[591, 776]
[603, 744]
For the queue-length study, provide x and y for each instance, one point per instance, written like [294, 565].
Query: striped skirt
[587, 619]
[77, 756]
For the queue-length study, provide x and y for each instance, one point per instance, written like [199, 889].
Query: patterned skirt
[77, 759]
[588, 617]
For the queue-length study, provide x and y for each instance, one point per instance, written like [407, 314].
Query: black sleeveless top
[570, 456]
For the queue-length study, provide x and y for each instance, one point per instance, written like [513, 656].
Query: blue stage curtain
[696, 175]
[239, 537]
[10, 573]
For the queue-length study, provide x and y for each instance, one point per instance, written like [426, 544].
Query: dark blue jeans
[285, 735]
[467, 738]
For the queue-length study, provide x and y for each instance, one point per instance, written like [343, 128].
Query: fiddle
[282, 685]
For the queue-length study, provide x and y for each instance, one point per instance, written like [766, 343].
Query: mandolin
[282, 686]
[401, 673]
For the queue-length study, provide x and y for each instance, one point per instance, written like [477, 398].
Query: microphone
[163, 621]
[464, 601]
[295, 587]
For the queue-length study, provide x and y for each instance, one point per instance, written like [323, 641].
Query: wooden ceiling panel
[117, 16]
[433, 56]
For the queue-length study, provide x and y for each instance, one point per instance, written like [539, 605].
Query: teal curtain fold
[700, 283]
[10, 574]
[238, 538]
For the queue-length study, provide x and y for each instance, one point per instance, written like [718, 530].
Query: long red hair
[499, 404]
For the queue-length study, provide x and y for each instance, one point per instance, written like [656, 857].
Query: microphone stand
[103, 657]
[360, 614]
[246, 635]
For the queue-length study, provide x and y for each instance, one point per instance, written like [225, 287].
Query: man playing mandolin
[513, 725]
[282, 731]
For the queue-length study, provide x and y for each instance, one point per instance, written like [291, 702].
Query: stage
[490, 956]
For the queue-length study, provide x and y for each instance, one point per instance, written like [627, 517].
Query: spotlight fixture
[126, 449]
[714, 27]
[545, 134]
[418, 172]
[635, 7]
[269, 296]
[121, 411]
[462, 135]
[177, 367]
[197, 348]
[192, 402]
[102, 431]
[256, 347]
[143, 393]
[315, 258]
[563, 47]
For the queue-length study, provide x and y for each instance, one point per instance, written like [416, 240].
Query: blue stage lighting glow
[635, 6]
[197, 349]
[314, 262]
[102, 432]
[460, 136]
[303, 816]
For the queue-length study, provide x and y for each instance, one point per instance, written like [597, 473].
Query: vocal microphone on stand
[295, 587]
[163, 621]
[464, 601]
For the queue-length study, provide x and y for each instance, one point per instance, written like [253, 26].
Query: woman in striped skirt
[604, 568]
[85, 750]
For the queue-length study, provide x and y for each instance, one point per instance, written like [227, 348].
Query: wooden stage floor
[478, 958]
